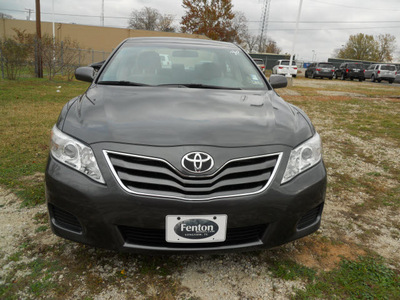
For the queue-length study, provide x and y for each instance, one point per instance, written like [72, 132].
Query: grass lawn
[29, 108]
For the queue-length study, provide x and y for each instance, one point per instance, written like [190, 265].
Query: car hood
[172, 116]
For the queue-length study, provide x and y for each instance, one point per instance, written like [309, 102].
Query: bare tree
[150, 19]
[144, 19]
[251, 43]
[239, 24]
[164, 23]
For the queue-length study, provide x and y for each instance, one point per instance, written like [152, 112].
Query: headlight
[303, 157]
[74, 154]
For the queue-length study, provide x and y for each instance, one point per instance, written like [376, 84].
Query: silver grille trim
[125, 169]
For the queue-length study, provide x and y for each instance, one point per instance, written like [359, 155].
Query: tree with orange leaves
[213, 18]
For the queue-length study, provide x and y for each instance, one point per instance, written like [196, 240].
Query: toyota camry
[199, 155]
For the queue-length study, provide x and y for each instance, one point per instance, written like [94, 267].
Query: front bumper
[107, 216]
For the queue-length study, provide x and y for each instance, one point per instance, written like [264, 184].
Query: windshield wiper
[122, 82]
[201, 86]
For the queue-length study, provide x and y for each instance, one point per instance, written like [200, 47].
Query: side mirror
[84, 74]
[97, 65]
[278, 81]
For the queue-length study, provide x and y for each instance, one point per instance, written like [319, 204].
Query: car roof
[179, 40]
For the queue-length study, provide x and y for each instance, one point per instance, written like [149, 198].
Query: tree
[386, 47]
[251, 43]
[213, 18]
[165, 23]
[366, 47]
[239, 24]
[361, 47]
[150, 19]
[270, 46]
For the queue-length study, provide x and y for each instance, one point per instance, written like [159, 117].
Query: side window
[377, 67]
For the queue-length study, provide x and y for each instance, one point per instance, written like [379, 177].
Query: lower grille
[65, 219]
[156, 177]
[310, 217]
[156, 237]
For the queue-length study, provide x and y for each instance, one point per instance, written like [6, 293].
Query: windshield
[286, 63]
[200, 66]
[388, 68]
[330, 66]
[356, 66]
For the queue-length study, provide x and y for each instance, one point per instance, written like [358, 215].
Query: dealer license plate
[195, 229]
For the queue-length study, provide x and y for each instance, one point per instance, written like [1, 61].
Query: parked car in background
[350, 70]
[282, 68]
[320, 70]
[260, 63]
[207, 157]
[379, 72]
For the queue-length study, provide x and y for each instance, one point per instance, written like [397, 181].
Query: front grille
[156, 177]
[156, 237]
[310, 217]
[65, 219]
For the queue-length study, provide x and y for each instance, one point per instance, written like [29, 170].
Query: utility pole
[29, 11]
[295, 36]
[102, 13]
[39, 61]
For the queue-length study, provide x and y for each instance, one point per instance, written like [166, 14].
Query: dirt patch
[338, 93]
[324, 255]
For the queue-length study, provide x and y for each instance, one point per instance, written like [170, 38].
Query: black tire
[343, 77]
[372, 78]
[379, 80]
[330, 78]
[391, 81]
[305, 75]
[351, 78]
[294, 76]
[360, 79]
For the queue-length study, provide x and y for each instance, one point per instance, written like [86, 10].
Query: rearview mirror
[84, 74]
[278, 81]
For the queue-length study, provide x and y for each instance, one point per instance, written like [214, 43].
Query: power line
[270, 21]
[358, 7]
[316, 29]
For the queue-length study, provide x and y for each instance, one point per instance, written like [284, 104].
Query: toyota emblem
[197, 162]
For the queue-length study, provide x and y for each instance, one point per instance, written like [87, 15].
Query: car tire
[305, 75]
[391, 81]
[351, 78]
[360, 79]
[343, 77]
[294, 76]
[330, 78]
[372, 78]
[312, 75]
[379, 80]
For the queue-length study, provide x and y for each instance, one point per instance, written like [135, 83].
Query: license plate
[195, 229]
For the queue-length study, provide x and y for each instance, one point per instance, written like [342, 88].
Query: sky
[325, 25]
